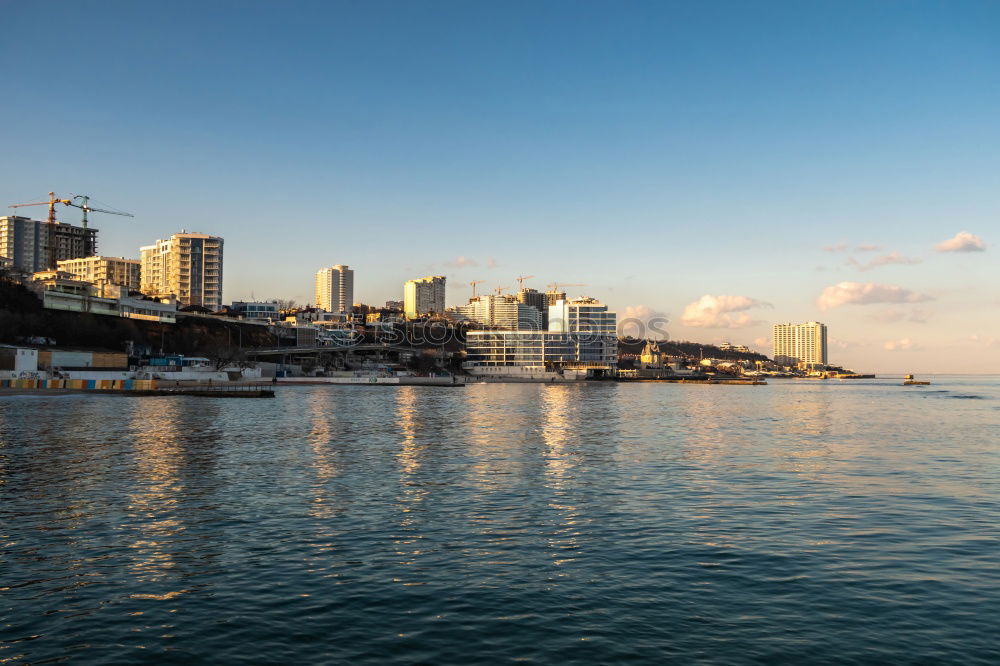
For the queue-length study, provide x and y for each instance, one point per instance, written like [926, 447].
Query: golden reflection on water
[326, 464]
[493, 409]
[412, 492]
[152, 505]
[557, 417]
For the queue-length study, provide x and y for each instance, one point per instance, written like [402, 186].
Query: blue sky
[658, 152]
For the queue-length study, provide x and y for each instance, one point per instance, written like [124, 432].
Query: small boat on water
[908, 380]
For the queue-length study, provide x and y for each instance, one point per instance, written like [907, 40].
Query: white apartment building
[582, 315]
[335, 288]
[186, 265]
[104, 270]
[34, 245]
[424, 296]
[502, 311]
[796, 344]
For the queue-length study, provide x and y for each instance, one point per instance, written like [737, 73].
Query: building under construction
[36, 245]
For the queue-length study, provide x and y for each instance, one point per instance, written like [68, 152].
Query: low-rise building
[62, 291]
[17, 360]
[256, 310]
[104, 270]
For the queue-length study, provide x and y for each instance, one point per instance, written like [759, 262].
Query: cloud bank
[963, 241]
[461, 262]
[884, 260]
[721, 312]
[863, 293]
[904, 344]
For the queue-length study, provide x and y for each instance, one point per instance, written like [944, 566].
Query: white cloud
[839, 247]
[963, 241]
[762, 342]
[904, 344]
[721, 312]
[843, 344]
[461, 261]
[639, 321]
[884, 260]
[920, 316]
[889, 316]
[985, 340]
[491, 263]
[868, 248]
[861, 293]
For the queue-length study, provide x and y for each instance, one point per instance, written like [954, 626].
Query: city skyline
[702, 174]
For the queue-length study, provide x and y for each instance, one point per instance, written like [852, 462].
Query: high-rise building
[582, 315]
[796, 344]
[537, 300]
[104, 270]
[424, 296]
[34, 245]
[186, 265]
[335, 289]
[502, 311]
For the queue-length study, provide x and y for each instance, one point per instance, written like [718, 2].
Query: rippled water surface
[819, 522]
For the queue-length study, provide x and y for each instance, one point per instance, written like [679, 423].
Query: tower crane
[500, 290]
[473, 285]
[87, 208]
[51, 203]
[555, 285]
[50, 235]
[520, 281]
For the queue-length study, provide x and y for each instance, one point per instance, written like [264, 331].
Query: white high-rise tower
[800, 343]
[335, 288]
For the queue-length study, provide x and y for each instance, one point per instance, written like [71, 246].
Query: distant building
[186, 265]
[335, 288]
[537, 300]
[800, 344]
[34, 245]
[554, 296]
[582, 315]
[581, 340]
[394, 305]
[424, 296]
[256, 310]
[535, 353]
[104, 270]
[729, 346]
[500, 311]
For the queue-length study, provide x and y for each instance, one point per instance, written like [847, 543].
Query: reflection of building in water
[324, 461]
[559, 433]
[153, 506]
[411, 493]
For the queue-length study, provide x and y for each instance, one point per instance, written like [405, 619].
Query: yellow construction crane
[51, 203]
[84, 205]
[500, 290]
[520, 281]
[50, 235]
[473, 285]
